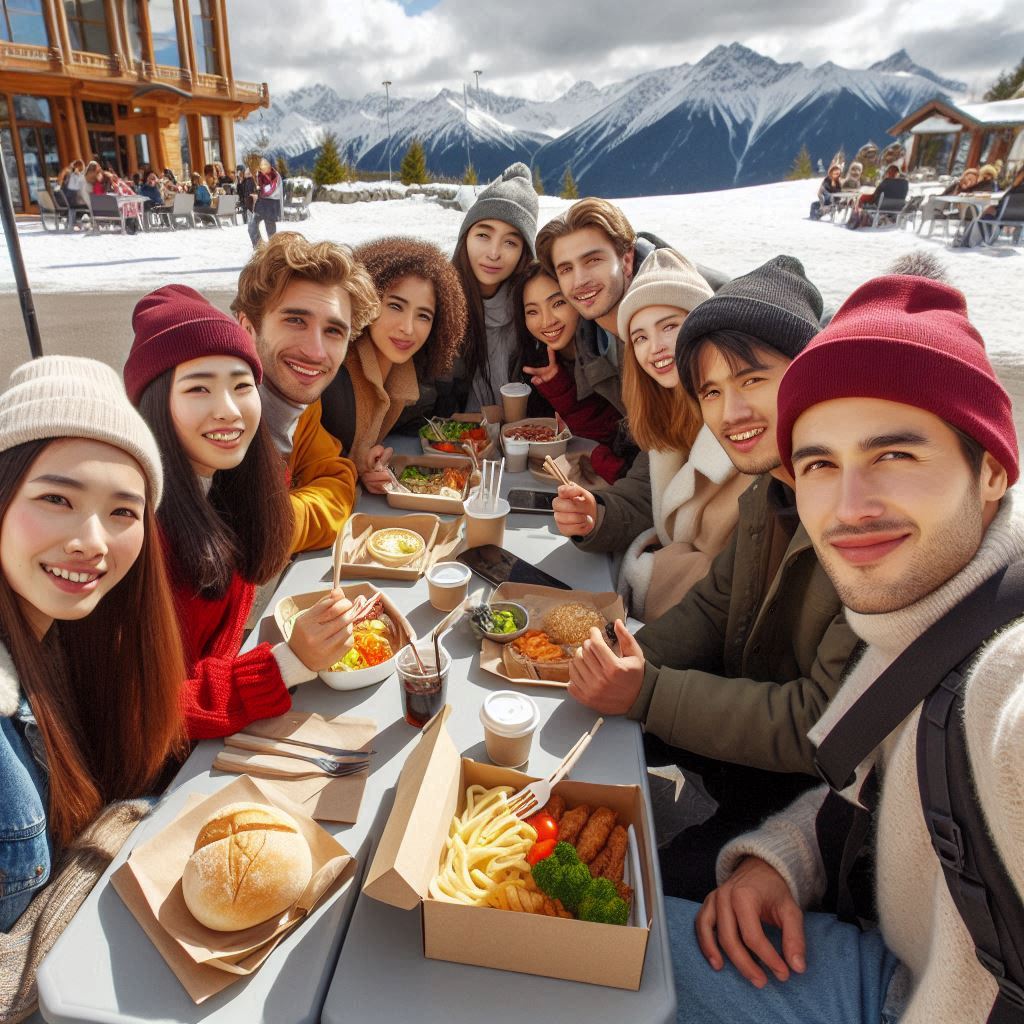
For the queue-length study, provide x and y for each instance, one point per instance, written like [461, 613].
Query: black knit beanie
[774, 303]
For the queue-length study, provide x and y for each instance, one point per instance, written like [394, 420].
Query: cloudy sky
[538, 48]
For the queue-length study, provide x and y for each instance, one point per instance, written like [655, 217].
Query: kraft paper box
[538, 600]
[207, 961]
[441, 540]
[433, 502]
[489, 418]
[430, 791]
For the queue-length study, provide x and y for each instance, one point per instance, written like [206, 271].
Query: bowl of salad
[500, 621]
[455, 437]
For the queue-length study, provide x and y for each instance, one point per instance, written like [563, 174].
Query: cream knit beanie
[67, 396]
[665, 278]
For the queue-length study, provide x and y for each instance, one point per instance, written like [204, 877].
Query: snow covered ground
[734, 230]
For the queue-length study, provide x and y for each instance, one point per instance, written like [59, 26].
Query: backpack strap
[338, 409]
[978, 882]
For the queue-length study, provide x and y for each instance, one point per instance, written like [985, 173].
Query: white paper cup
[514, 398]
[448, 585]
[517, 454]
[509, 719]
[484, 526]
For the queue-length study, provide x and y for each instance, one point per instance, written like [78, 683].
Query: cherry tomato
[540, 850]
[545, 826]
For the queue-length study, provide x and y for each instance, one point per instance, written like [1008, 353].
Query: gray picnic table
[355, 959]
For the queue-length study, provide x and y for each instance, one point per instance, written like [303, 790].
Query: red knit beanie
[175, 324]
[908, 340]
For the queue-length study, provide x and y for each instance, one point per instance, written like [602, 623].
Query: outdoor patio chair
[885, 207]
[181, 210]
[105, 214]
[70, 214]
[224, 208]
[1009, 216]
[910, 212]
[50, 217]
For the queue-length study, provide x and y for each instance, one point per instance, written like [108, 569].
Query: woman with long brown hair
[226, 520]
[88, 715]
[671, 525]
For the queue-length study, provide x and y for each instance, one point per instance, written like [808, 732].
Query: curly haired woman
[415, 339]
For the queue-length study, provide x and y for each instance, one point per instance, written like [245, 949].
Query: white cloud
[537, 48]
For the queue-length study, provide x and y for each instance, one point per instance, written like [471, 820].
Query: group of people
[791, 501]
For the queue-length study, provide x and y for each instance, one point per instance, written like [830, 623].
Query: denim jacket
[24, 842]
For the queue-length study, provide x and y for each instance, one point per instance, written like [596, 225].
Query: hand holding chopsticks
[575, 508]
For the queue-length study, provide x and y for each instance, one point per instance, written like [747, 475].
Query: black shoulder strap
[338, 409]
[981, 888]
[916, 672]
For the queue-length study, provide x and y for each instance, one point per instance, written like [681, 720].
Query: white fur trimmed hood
[10, 689]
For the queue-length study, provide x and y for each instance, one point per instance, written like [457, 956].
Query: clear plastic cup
[423, 689]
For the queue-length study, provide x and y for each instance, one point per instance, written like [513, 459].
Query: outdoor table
[104, 967]
[980, 201]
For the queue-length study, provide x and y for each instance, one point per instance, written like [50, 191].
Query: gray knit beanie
[665, 278]
[67, 396]
[511, 199]
[774, 303]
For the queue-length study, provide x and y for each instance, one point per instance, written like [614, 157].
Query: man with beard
[301, 302]
[593, 252]
[902, 444]
[736, 673]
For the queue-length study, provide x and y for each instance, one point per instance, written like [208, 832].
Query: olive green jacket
[743, 666]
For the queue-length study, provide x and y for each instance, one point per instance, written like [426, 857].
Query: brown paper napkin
[320, 796]
[206, 961]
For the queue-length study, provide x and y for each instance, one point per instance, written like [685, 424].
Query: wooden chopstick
[575, 754]
[556, 470]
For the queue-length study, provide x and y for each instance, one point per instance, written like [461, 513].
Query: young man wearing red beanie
[734, 675]
[902, 444]
[301, 302]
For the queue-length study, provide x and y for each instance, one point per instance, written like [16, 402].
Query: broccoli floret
[563, 876]
[602, 904]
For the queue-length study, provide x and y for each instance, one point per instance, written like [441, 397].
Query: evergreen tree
[328, 168]
[802, 166]
[469, 177]
[1007, 85]
[414, 165]
[569, 190]
[538, 181]
[282, 167]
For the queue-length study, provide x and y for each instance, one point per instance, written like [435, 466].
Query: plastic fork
[533, 797]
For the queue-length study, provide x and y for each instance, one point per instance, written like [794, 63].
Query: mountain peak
[902, 62]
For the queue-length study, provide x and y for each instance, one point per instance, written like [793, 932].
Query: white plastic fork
[533, 797]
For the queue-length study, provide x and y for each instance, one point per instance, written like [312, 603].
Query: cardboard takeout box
[430, 791]
[350, 548]
[489, 420]
[433, 502]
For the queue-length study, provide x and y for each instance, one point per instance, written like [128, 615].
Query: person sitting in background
[988, 179]
[852, 182]
[415, 338]
[826, 190]
[204, 201]
[892, 188]
[223, 179]
[301, 301]
[150, 189]
[545, 324]
[94, 179]
[934, 208]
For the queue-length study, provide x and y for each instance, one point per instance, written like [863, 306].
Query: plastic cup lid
[515, 390]
[448, 574]
[510, 714]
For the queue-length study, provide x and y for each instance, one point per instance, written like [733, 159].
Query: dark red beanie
[908, 340]
[175, 324]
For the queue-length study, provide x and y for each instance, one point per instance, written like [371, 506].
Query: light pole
[10, 229]
[387, 111]
[478, 74]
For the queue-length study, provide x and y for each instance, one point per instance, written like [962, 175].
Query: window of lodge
[87, 24]
[164, 30]
[205, 40]
[22, 21]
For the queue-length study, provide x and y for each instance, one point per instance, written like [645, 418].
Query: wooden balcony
[23, 57]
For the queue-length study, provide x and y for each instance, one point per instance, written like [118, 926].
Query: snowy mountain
[734, 118]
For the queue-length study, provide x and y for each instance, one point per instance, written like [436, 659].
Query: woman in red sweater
[545, 326]
[226, 517]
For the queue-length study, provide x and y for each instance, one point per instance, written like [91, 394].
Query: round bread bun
[250, 863]
[570, 623]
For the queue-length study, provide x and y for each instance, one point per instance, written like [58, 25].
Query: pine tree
[414, 165]
[569, 190]
[1007, 85]
[538, 181]
[469, 177]
[802, 166]
[282, 167]
[328, 168]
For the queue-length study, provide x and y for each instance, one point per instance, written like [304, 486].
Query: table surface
[104, 968]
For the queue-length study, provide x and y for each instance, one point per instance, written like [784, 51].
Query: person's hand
[374, 473]
[543, 374]
[603, 680]
[732, 918]
[322, 635]
[575, 511]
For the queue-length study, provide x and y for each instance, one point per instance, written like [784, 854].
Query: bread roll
[250, 863]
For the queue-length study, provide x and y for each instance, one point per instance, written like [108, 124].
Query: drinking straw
[497, 486]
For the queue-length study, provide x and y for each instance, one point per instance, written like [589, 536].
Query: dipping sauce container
[448, 584]
[509, 719]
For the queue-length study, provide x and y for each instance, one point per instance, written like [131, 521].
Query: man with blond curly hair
[302, 301]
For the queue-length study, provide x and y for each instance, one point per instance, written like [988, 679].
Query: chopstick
[575, 753]
[552, 467]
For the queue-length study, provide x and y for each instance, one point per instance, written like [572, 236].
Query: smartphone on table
[522, 500]
[497, 566]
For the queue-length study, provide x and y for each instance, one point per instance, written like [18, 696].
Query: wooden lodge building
[129, 82]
